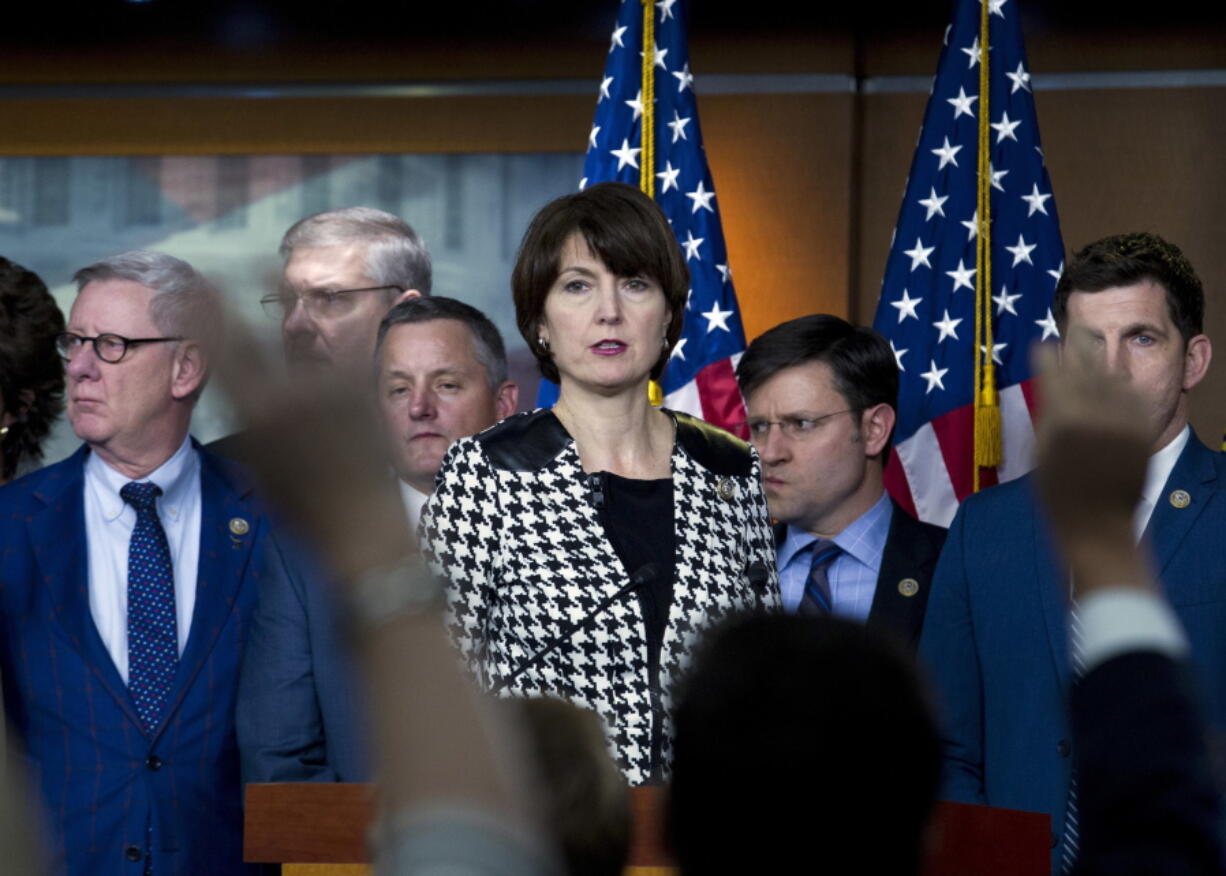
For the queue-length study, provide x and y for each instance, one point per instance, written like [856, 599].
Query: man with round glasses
[130, 577]
[821, 394]
[344, 269]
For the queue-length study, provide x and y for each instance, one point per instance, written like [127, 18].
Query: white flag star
[701, 199]
[1005, 128]
[971, 225]
[1036, 201]
[717, 318]
[962, 103]
[685, 79]
[617, 39]
[724, 272]
[946, 153]
[962, 277]
[933, 375]
[626, 155]
[1004, 301]
[947, 327]
[919, 255]
[678, 125]
[591, 138]
[583, 184]
[691, 244]
[677, 350]
[658, 56]
[666, 9]
[972, 53]
[1021, 252]
[1048, 324]
[898, 354]
[604, 88]
[933, 204]
[997, 176]
[1020, 78]
[669, 175]
[906, 306]
[1058, 272]
[997, 349]
[996, 7]
[636, 104]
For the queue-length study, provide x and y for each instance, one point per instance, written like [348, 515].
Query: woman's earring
[543, 342]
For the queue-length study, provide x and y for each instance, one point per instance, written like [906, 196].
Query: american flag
[700, 376]
[927, 306]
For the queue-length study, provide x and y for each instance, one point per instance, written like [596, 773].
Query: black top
[638, 520]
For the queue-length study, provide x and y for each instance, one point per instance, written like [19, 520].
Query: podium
[321, 829]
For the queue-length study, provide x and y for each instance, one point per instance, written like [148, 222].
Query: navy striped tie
[817, 599]
[153, 641]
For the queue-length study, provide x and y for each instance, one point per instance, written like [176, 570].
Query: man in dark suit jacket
[127, 578]
[821, 397]
[995, 638]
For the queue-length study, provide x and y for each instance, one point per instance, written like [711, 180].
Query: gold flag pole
[987, 403]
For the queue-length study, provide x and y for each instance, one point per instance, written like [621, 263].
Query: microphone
[645, 575]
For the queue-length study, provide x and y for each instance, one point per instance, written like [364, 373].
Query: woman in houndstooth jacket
[587, 546]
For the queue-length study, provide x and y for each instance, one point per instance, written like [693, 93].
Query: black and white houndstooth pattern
[526, 556]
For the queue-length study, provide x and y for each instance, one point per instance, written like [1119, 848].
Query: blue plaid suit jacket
[103, 781]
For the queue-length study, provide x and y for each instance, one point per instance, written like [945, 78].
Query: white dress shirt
[109, 522]
[1157, 471]
[414, 500]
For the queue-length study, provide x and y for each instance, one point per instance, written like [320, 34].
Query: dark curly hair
[31, 374]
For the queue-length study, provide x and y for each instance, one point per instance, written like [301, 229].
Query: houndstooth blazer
[512, 528]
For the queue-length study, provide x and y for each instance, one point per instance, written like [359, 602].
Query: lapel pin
[908, 587]
[1180, 498]
[726, 489]
[239, 526]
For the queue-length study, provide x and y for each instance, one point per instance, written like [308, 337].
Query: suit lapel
[58, 536]
[227, 532]
[903, 581]
[1174, 513]
[1052, 583]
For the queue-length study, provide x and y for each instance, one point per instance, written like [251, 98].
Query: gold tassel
[988, 428]
[655, 393]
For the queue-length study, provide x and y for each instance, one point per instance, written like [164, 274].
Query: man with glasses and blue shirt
[821, 395]
[127, 582]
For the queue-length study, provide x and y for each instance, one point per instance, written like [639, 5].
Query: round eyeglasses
[107, 346]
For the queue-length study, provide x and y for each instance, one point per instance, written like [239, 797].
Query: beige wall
[809, 184]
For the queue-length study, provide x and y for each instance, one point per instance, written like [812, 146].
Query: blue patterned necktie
[153, 641]
[817, 599]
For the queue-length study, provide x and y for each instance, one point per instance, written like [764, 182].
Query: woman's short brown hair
[625, 229]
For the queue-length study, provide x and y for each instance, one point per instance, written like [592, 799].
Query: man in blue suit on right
[995, 638]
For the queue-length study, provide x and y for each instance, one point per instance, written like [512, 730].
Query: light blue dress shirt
[853, 574]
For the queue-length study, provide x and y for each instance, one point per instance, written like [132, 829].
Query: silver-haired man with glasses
[821, 396]
[344, 269]
[130, 578]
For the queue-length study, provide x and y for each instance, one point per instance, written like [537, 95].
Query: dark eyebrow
[1144, 328]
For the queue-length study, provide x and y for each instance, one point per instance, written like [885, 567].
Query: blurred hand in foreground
[315, 451]
[1092, 451]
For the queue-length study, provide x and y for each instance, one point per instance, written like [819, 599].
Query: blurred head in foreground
[780, 708]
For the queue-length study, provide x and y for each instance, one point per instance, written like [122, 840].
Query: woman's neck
[622, 434]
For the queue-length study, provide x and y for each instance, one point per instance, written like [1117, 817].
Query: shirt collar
[864, 538]
[175, 476]
[1160, 465]
[414, 500]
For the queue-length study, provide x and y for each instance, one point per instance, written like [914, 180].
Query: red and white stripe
[928, 474]
[713, 395]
